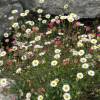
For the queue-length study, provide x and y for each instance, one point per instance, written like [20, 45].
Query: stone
[83, 8]
[5, 11]
[5, 90]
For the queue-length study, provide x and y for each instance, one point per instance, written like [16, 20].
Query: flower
[85, 65]
[27, 11]
[83, 60]
[23, 14]
[48, 32]
[41, 1]
[93, 41]
[66, 6]
[42, 53]
[66, 88]
[88, 56]
[80, 44]
[39, 11]
[1, 62]
[54, 63]
[75, 53]
[57, 50]
[28, 95]
[70, 19]
[63, 17]
[47, 16]
[81, 52]
[24, 57]
[3, 82]
[67, 96]
[79, 75]
[74, 16]
[5, 35]
[40, 97]
[31, 23]
[57, 56]
[91, 73]
[44, 21]
[98, 28]
[94, 47]
[15, 25]
[11, 18]
[53, 83]
[35, 63]
[37, 38]
[18, 71]
[14, 11]
[3, 53]
[60, 33]
[28, 31]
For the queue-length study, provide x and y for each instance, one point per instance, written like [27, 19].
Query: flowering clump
[51, 57]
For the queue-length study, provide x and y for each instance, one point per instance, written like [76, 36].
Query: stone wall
[5, 11]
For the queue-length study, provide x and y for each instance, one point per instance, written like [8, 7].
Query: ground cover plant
[51, 57]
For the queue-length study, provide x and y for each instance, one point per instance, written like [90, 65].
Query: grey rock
[5, 90]
[8, 97]
[5, 11]
[83, 8]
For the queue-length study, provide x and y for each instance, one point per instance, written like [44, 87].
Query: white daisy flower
[5, 35]
[27, 11]
[57, 50]
[18, 71]
[67, 96]
[54, 63]
[35, 63]
[39, 11]
[3, 53]
[83, 60]
[37, 38]
[14, 11]
[88, 56]
[24, 57]
[30, 23]
[15, 25]
[40, 97]
[23, 14]
[66, 6]
[53, 83]
[75, 53]
[44, 21]
[38, 47]
[60, 33]
[85, 66]
[91, 73]
[80, 75]
[93, 41]
[42, 53]
[57, 56]
[47, 16]
[3, 82]
[28, 95]
[81, 52]
[66, 88]
[11, 18]
[41, 1]
[28, 31]
[48, 32]
[80, 44]
[1, 62]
